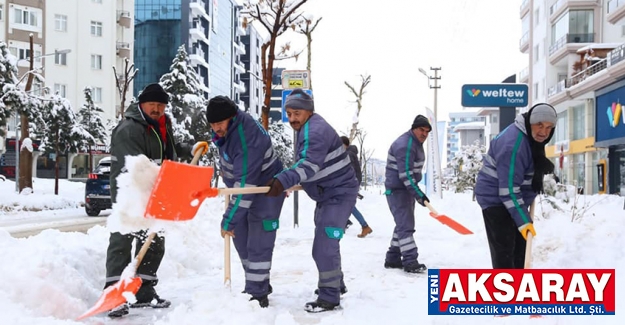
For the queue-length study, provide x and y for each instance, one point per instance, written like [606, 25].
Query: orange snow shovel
[447, 221]
[113, 296]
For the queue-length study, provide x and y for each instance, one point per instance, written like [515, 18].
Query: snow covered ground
[53, 277]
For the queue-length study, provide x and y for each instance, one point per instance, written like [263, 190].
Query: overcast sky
[473, 41]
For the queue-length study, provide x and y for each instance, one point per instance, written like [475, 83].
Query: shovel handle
[429, 206]
[227, 278]
[196, 157]
[528, 242]
[144, 249]
[251, 190]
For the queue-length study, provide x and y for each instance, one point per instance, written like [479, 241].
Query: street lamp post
[436, 86]
[24, 133]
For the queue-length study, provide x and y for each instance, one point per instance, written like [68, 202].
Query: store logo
[614, 113]
[473, 92]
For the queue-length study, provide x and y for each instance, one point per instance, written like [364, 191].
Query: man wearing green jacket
[145, 130]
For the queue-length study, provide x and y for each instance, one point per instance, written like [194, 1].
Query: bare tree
[276, 16]
[365, 154]
[364, 82]
[123, 83]
[306, 28]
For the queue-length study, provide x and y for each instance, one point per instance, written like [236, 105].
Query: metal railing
[524, 39]
[571, 38]
[617, 55]
[524, 4]
[524, 73]
[557, 88]
[591, 70]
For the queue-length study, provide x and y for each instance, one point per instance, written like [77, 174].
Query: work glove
[200, 145]
[528, 227]
[275, 187]
[421, 200]
[360, 197]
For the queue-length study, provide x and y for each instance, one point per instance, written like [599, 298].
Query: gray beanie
[543, 112]
[298, 99]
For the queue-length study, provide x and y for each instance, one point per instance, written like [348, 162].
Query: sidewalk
[31, 223]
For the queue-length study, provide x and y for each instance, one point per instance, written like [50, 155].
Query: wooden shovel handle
[429, 206]
[144, 249]
[251, 190]
[196, 157]
[227, 278]
[528, 242]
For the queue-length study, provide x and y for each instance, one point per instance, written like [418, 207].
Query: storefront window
[580, 172]
[622, 170]
[46, 169]
[562, 127]
[579, 122]
[80, 166]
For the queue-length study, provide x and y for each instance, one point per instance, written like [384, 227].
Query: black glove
[275, 187]
[421, 200]
[360, 197]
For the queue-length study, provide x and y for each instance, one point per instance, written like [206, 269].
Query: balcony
[558, 88]
[198, 9]
[239, 86]
[524, 75]
[123, 50]
[559, 7]
[198, 33]
[616, 11]
[239, 66]
[198, 57]
[525, 8]
[524, 43]
[568, 43]
[239, 47]
[124, 19]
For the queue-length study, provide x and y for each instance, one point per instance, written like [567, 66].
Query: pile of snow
[53, 277]
[41, 198]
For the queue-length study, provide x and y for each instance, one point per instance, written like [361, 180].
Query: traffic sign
[292, 79]
[285, 93]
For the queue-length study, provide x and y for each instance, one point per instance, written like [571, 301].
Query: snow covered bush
[466, 164]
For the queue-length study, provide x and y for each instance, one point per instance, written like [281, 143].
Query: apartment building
[76, 44]
[574, 49]
[211, 32]
[453, 137]
[252, 77]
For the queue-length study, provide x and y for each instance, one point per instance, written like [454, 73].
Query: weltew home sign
[494, 95]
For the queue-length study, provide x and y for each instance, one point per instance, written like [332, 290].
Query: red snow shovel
[447, 221]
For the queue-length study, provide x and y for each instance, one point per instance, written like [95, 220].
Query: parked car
[98, 188]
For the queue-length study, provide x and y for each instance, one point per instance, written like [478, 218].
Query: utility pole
[436, 78]
[26, 156]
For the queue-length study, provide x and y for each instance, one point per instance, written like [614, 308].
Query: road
[72, 221]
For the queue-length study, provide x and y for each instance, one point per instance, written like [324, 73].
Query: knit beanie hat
[153, 93]
[298, 99]
[220, 108]
[543, 113]
[420, 121]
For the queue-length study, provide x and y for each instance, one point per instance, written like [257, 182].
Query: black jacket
[352, 152]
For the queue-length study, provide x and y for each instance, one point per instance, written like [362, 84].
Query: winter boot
[269, 291]
[365, 231]
[415, 267]
[349, 223]
[320, 305]
[263, 301]
[119, 311]
[156, 302]
[343, 291]
[393, 265]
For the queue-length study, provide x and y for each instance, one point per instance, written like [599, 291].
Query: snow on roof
[469, 126]
[598, 46]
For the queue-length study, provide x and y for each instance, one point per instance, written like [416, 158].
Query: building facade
[453, 138]
[574, 49]
[254, 96]
[61, 29]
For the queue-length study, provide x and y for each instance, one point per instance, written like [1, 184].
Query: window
[60, 23]
[562, 129]
[579, 122]
[37, 89]
[1, 12]
[59, 89]
[96, 95]
[96, 62]
[536, 90]
[96, 28]
[536, 52]
[60, 58]
[26, 17]
[537, 16]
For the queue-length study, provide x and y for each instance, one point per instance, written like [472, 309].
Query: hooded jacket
[507, 171]
[138, 134]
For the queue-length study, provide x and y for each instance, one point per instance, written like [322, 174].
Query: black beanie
[420, 121]
[220, 108]
[153, 93]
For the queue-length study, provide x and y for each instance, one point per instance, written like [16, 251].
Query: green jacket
[136, 135]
